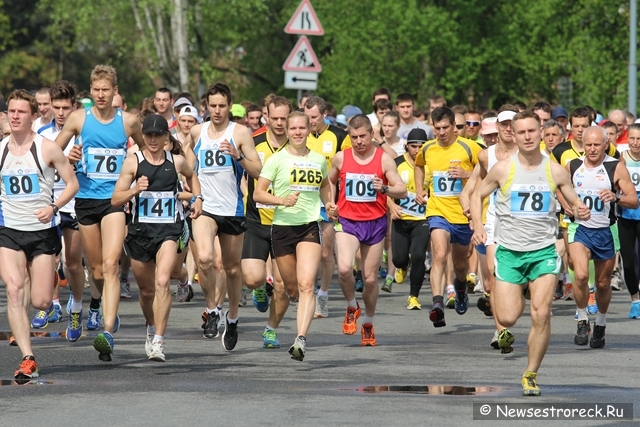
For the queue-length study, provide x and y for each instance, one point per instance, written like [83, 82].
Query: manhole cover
[430, 389]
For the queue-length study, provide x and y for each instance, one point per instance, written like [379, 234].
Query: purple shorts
[368, 232]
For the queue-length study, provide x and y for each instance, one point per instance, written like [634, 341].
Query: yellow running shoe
[530, 384]
[400, 275]
[413, 303]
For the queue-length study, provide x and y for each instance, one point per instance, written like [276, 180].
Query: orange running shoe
[28, 369]
[568, 292]
[368, 335]
[12, 341]
[349, 326]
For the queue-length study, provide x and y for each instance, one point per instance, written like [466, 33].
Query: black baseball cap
[417, 135]
[155, 123]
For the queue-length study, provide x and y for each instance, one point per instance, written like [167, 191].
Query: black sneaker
[558, 292]
[582, 335]
[597, 339]
[210, 324]
[190, 295]
[230, 335]
[484, 304]
[436, 315]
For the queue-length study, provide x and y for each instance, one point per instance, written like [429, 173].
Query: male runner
[44, 109]
[164, 105]
[526, 228]
[101, 138]
[29, 240]
[367, 176]
[221, 151]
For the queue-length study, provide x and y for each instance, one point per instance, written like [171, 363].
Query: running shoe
[530, 384]
[368, 335]
[413, 303]
[451, 296]
[385, 256]
[526, 293]
[260, 299]
[427, 262]
[103, 344]
[359, 284]
[196, 278]
[616, 280]
[210, 324]
[478, 287]
[56, 315]
[558, 292]
[12, 341]
[298, 349]
[472, 279]
[322, 307]
[116, 325]
[244, 297]
[270, 339]
[494, 341]
[592, 306]
[27, 370]
[505, 339]
[69, 303]
[147, 343]
[93, 320]
[41, 321]
[582, 334]
[568, 292]
[388, 283]
[349, 326]
[462, 302]
[436, 315]
[74, 327]
[230, 334]
[382, 273]
[182, 293]
[484, 304]
[597, 339]
[316, 287]
[61, 277]
[190, 296]
[125, 289]
[400, 276]
[268, 286]
[634, 313]
[157, 352]
[576, 315]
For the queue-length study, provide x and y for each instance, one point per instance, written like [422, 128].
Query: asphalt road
[339, 382]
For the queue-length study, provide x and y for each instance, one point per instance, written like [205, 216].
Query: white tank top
[219, 174]
[588, 182]
[50, 132]
[26, 185]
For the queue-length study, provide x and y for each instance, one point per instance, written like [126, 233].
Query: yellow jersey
[329, 142]
[411, 211]
[257, 212]
[564, 152]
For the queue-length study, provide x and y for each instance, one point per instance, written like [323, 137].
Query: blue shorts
[598, 240]
[460, 233]
[482, 249]
[323, 214]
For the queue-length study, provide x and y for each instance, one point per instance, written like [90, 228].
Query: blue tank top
[104, 147]
[634, 172]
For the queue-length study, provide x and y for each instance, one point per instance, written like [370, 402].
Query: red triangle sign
[304, 21]
[302, 58]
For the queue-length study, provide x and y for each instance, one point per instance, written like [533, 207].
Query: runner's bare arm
[71, 128]
[53, 156]
[133, 129]
[244, 141]
[489, 184]
[628, 194]
[561, 177]
[336, 164]
[397, 188]
[470, 187]
[123, 191]
[183, 168]
[188, 145]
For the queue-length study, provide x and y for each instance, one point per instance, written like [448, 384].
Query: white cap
[181, 102]
[506, 115]
[188, 111]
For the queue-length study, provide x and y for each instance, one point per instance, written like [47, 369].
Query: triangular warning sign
[302, 58]
[304, 21]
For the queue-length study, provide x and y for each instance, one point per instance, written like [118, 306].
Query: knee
[15, 293]
[147, 292]
[162, 281]
[306, 286]
[581, 276]
[110, 266]
[232, 271]
[205, 263]
[40, 302]
[345, 272]
[439, 259]
[327, 255]
[540, 316]
[461, 265]
[74, 267]
[506, 319]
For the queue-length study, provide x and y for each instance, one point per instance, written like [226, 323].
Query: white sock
[353, 303]
[269, 328]
[190, 283]
[56, 302]
[76, 306]
[158, 338]
[215, 310]
[322, 293]
[601, 319]
[367, 319]
[582, 314]
[230, 320]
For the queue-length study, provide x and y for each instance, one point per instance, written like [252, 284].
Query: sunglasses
[473, 124]
[460, 126]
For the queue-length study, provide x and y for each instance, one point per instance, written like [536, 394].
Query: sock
[95, 303]
[353, 303]
[601, 319]
[270, 280]
[322, 293]
[219, 309]
[592, 274]
[215, 310]
[56, 302]
[76, 306]
[438, 298]
[460, 286]
[572, 275]
[190, 282]
[302, 338]
[151, 330]
[592, 288]
[367, 319]
[157, 338]
[230, 320]
[269, 328]
[182, 283]
[582, 314]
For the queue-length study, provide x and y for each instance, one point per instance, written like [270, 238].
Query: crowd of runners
[266, 201]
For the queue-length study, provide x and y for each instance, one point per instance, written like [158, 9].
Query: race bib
[635, 177]
[411, 208]
[104, 163]
[530, 201]
[58, 183]
[305, 176]
[445, 186]
[156, 207]
[359, 187]
[591, 200]
[213, 160]
[21, 184]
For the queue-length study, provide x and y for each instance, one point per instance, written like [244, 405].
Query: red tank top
[357, 200]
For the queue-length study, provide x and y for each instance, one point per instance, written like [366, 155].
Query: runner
[44, 109]
[187, 119]
[367, 176]
[526, 228]
[597, 178]
[221, 151]
[29, 240]
[162, 101]
[298, 176]
[102, 134]
[450, 160]
[157, 223]
[256, 247]
[410, 229]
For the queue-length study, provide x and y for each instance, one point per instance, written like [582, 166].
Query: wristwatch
[385, 189]
[199, 196]
[241, 157]
[55, 208]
